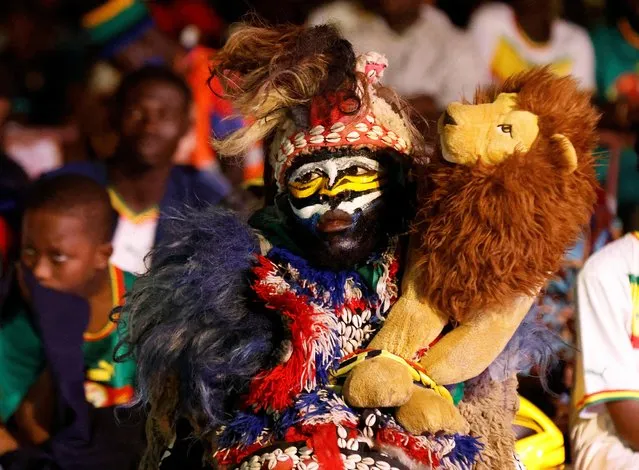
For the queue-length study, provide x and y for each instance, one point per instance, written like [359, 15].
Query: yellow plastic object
[540, 445]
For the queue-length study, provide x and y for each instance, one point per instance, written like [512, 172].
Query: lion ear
[567, 153]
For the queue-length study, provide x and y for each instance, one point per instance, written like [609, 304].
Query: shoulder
[94, 170]
[573, 33]
[491, 14]
[601, 32]
[438, 23]
[340, 13]
[204, 186]
[614, 261]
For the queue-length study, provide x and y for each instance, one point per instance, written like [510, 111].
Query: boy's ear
[102, 255]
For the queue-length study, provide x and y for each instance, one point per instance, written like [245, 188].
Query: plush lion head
[511, 189]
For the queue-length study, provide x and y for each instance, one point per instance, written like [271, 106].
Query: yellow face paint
[319, 184]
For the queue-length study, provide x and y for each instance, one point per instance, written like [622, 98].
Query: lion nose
[448, 119]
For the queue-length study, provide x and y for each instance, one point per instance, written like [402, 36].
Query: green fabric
[118, 24]
[271, 224]
[458, 392]
[98, 356]
[614, 57]
[21, 361]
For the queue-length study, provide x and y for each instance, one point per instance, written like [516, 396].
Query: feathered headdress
[305, 89]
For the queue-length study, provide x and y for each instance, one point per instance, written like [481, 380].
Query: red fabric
[6, 239]
[322, 439]
[172, 18]
[275, 389]
[409, 444]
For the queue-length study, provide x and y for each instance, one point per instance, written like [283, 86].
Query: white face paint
[331, 168]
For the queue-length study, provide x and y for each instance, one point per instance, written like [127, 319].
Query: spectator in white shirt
[605, 431]
[515, 35]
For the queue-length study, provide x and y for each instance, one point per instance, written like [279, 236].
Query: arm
[624, 414]
[485, 336]
[34, 416]
[7, 442]
[411, 324]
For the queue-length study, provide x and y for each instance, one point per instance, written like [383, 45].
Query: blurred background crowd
[119, 90]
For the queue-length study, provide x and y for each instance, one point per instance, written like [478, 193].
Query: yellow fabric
[634, 293]
[488, 132]
[124, 211]
[105, 12]
[507, 61]
[419, 376]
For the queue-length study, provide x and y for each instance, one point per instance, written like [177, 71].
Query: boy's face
[61, 252]
[154, 119]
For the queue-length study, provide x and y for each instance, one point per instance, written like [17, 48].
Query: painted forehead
[334, 167]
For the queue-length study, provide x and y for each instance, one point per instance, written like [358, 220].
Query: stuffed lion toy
[509, 190]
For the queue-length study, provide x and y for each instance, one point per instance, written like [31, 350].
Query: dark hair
[78, 195]
[152, 73]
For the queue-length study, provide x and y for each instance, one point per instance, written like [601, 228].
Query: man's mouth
[334, 221]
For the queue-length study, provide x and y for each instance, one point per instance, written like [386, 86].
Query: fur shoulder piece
[189, 323]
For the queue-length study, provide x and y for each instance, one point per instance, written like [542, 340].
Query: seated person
[605, 432]
[60, 382]
[512, 36]
[433, 63]
[151, 116]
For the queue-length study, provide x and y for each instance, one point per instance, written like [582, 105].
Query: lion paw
[378, 383]
[428, 412]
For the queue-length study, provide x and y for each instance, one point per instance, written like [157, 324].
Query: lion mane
[490, 233]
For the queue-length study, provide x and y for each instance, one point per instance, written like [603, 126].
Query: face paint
[347, 184]
[344, 208]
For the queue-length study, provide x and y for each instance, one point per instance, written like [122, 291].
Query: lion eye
[506, 129]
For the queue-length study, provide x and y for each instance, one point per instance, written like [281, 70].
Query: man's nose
[42, 270]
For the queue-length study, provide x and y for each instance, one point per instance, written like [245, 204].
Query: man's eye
[307, 177]
[28, 256]
[506, 129]
[358, 171]
[59, 258]
[134, 113]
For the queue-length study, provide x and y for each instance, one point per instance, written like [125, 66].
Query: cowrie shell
[361, 127]
[317, 139]
[338, 127]
[372, 136]
[333, 138]
[352, 136]
[377, 130]
[319, 129]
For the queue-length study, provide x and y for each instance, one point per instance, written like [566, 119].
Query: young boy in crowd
[60, 382]
[151, 116]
